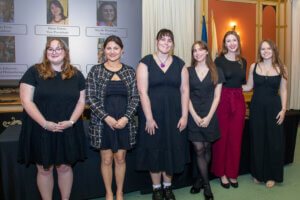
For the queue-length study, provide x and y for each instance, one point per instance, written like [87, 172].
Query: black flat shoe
[207, 192]
[195, 190]
[157, 194]
[235, 185]
[225, 185]
[197, 186]
[168, 193]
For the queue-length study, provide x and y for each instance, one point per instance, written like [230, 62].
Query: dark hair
[57, 4]
[224, 49]
[276, 61]
[165, 32]
[44, 68]
[208, 61]
[113, 38]
[99, 13]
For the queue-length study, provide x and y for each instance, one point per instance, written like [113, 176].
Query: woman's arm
[26, 96]
[247, 87]
[214, 106]
[79, 108]
[283, 97]
[185, 96]
[142, 85]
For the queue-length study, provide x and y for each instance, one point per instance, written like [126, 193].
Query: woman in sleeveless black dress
[267, 112]
[203, 128]
[52, 135]
[163, 86]
[113, 98]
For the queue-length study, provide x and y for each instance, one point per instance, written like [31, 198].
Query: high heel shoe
[224, 185]
[197, 186]
[208, 195]
[235, 185]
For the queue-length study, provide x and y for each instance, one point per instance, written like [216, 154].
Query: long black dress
[56, 99]
[115, 105]
[202, 96]
[167, 149]
[267, 138]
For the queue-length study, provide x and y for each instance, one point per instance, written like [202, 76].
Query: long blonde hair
[44, 68]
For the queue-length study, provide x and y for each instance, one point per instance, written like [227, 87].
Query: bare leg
[45, 182]
[120, 168]
[106, 170]
[65, 180]
[156, 178]
[166, 178]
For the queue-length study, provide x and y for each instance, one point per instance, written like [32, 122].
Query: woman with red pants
[231, 112]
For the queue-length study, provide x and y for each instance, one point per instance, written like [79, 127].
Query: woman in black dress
[267, 112]
[52, 135]
[205, 90]
[113, 98]
[164, 91]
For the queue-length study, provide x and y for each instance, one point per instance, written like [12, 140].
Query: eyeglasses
[57, 50]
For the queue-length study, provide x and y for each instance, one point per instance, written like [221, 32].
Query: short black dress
[115, 104]
[267, 137]
[167, 150]
[202, 96]
[56, 99]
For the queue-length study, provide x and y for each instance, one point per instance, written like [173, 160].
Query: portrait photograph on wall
[65, 40]
[7, 49]
[57, 12]
[106, 13]
[7, 11]
[101, 56]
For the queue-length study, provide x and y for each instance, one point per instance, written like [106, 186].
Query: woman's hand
[280, 117]
[151, 126]
[121, 123]
[182, 123]
[111, 122]
[53, 127]
[198, 120]
[64, 125]
[205, 122]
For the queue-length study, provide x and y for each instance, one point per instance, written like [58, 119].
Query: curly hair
[44, 68]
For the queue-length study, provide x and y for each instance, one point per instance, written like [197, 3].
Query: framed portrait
[57, 12]
[7, 11]
[101, 56]
[7, 49]
[107, 13]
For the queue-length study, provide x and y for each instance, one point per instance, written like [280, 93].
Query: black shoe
[207, 192]
[168, 193]
[197, 186]
[157, 194]
[224, 185]
[235, 185]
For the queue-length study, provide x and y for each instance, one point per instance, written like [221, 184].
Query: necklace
[162, 63]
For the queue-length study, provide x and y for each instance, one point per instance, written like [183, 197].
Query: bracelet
[72, 122]
[46, 125]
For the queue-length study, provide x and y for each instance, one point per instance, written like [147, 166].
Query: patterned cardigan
[96, 83]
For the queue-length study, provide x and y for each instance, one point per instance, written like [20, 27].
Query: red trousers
[231, 116]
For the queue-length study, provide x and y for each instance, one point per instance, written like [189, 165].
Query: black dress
[56, 99]
[267, 138]
[202, 96]
[167, 149]
[115, 105]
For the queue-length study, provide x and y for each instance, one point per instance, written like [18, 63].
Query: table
[19, 182]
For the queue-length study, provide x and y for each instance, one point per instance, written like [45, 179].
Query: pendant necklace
[162, 64]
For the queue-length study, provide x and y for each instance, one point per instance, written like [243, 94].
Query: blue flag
[204, 33]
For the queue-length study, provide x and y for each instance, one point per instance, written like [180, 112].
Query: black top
[235, 74]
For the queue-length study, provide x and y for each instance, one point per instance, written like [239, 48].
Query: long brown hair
[238, 53]
[276, 61]
[208, 61]
[44, 68]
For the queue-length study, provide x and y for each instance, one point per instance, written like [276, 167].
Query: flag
[204, 32]
[214, 42]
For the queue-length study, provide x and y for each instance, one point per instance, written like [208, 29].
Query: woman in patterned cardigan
[113, 98]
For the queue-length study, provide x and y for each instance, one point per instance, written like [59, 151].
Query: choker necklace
[162, 64]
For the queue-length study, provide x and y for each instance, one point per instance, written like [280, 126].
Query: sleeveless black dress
[167, 150]
[267, 137]
[115, 105]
